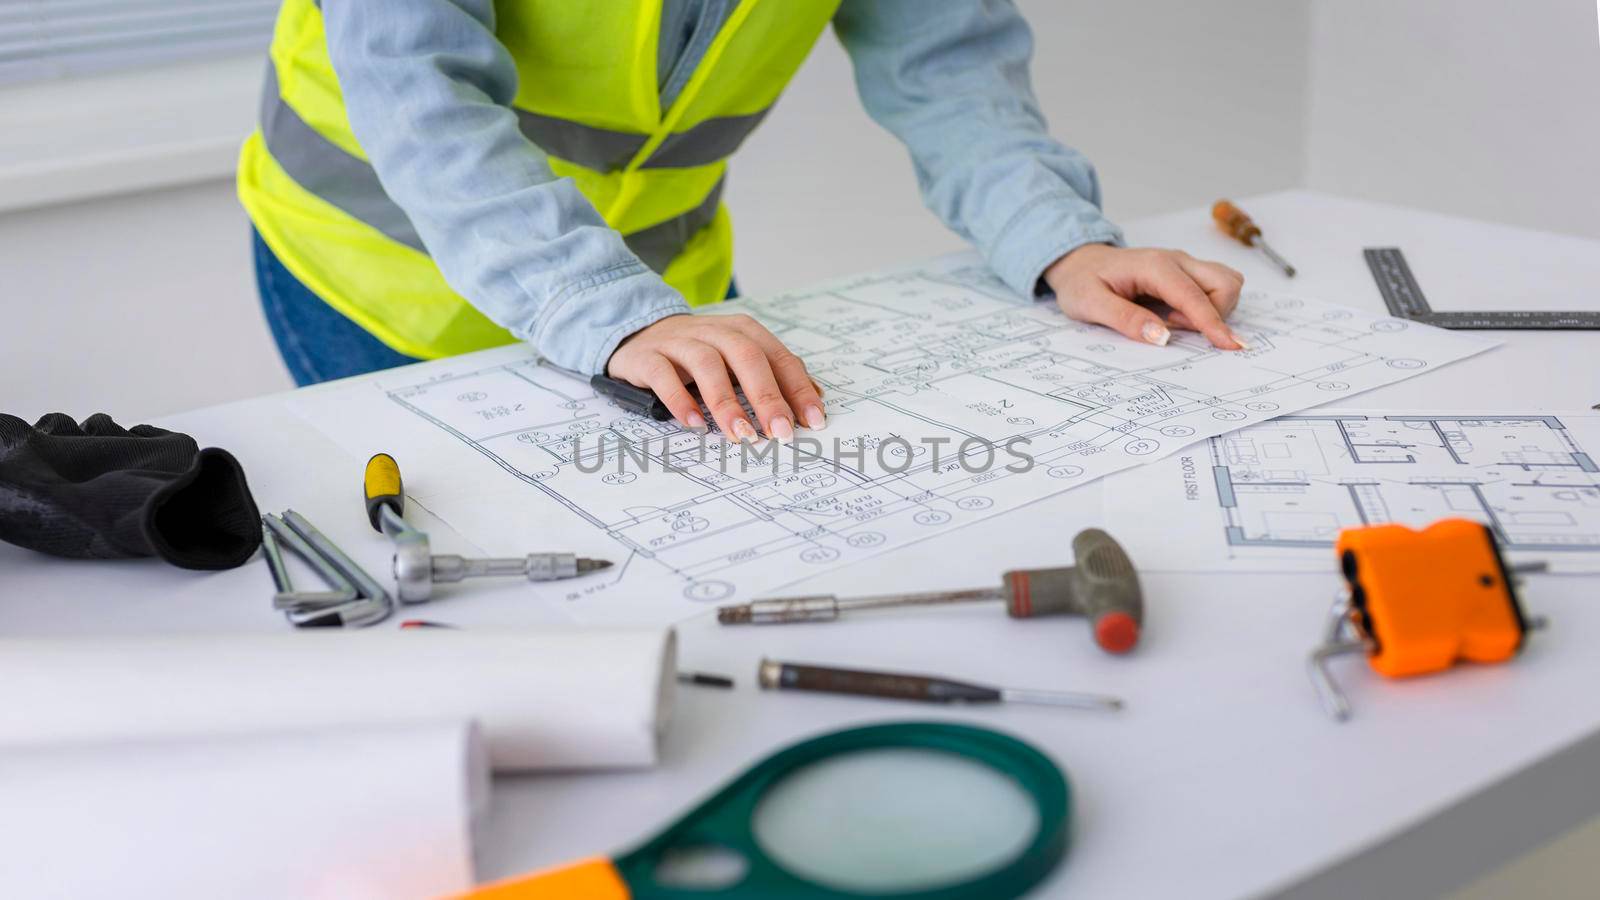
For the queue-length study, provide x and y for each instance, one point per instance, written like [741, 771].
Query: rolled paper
[382, 811]
[567, 699]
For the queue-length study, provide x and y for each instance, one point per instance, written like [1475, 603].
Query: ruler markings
[1405, 300]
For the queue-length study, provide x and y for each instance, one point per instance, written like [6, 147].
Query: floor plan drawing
[948, 401]
[1279, 492]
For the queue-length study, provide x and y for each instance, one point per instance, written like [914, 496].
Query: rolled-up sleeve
[950, 80]
[428, 89]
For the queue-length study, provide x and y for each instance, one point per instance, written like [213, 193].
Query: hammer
[1102, 587]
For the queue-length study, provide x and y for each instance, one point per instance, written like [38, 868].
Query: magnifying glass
[914, 811]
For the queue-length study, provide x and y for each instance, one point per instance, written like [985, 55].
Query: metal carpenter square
[1399, 287]
[1517, 320]
[1405, 300]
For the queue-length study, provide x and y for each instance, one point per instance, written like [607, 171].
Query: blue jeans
[317, 342]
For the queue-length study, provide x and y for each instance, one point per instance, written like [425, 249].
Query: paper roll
[379, 812]
[546, 699]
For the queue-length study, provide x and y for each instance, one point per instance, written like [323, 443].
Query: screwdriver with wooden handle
[1235, 224]
[785, 676]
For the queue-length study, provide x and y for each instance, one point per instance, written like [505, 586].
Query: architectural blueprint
[1275, 495]
[949, 400]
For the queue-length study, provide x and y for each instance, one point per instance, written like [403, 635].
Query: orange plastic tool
[1430, 598]
[589, 879]
[1235, 224]
[1419, 602]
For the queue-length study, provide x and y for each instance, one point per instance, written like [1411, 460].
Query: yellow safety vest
[587, 96]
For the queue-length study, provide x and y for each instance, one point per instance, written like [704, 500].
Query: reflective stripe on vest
[325, 169]
[598, 148]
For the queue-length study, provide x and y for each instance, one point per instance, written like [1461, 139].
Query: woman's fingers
[705, 365]
[1097, 282]
[748, 362]
[1221, 283]
[1101, 305]
[1168, 281]
[799, 390]
[714, 352]
[659, 374]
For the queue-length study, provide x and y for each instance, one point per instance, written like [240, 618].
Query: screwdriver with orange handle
[1235, 224]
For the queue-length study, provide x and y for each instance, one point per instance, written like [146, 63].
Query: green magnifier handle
[724, 821]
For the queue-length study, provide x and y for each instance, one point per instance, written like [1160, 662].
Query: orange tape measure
[1417, 602]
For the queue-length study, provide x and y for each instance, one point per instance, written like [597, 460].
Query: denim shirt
[428, 88]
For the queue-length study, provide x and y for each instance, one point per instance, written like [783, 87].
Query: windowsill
[95, 136]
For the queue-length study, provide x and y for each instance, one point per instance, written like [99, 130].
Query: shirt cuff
[583, 324]
[1046, 229]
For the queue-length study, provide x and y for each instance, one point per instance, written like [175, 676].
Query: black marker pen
[637, 400]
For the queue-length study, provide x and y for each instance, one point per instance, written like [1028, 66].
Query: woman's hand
[707, 350]
[1098, 283]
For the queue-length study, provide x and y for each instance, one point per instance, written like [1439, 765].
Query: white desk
[1222, 779]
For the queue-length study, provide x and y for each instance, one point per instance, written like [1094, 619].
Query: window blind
[43, 39]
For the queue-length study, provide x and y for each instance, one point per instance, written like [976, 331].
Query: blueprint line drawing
[1524, 477]
[930, 374]
[1279, 492]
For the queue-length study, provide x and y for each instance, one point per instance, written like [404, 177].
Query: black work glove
[101, 491]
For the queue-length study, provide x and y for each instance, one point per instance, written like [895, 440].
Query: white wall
[134, 305]
[145, 304]
[1484, 108]
[1176, 102]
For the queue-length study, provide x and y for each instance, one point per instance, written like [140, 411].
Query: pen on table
[637, 400]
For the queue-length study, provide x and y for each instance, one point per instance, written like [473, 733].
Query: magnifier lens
[894, 820]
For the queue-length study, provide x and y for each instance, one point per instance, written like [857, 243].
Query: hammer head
[1103, 586]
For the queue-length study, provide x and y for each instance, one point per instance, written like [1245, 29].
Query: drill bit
[827, 607]
[448, 567]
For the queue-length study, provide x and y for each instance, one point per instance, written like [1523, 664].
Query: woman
[433, 177]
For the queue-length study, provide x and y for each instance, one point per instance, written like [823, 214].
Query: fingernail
[780, 428]
[743, 431]
[1239, 340]
[1156, 333]
[696, 423]
[814, 418]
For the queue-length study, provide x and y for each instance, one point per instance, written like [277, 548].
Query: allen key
[355, 599]
[273, 532]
